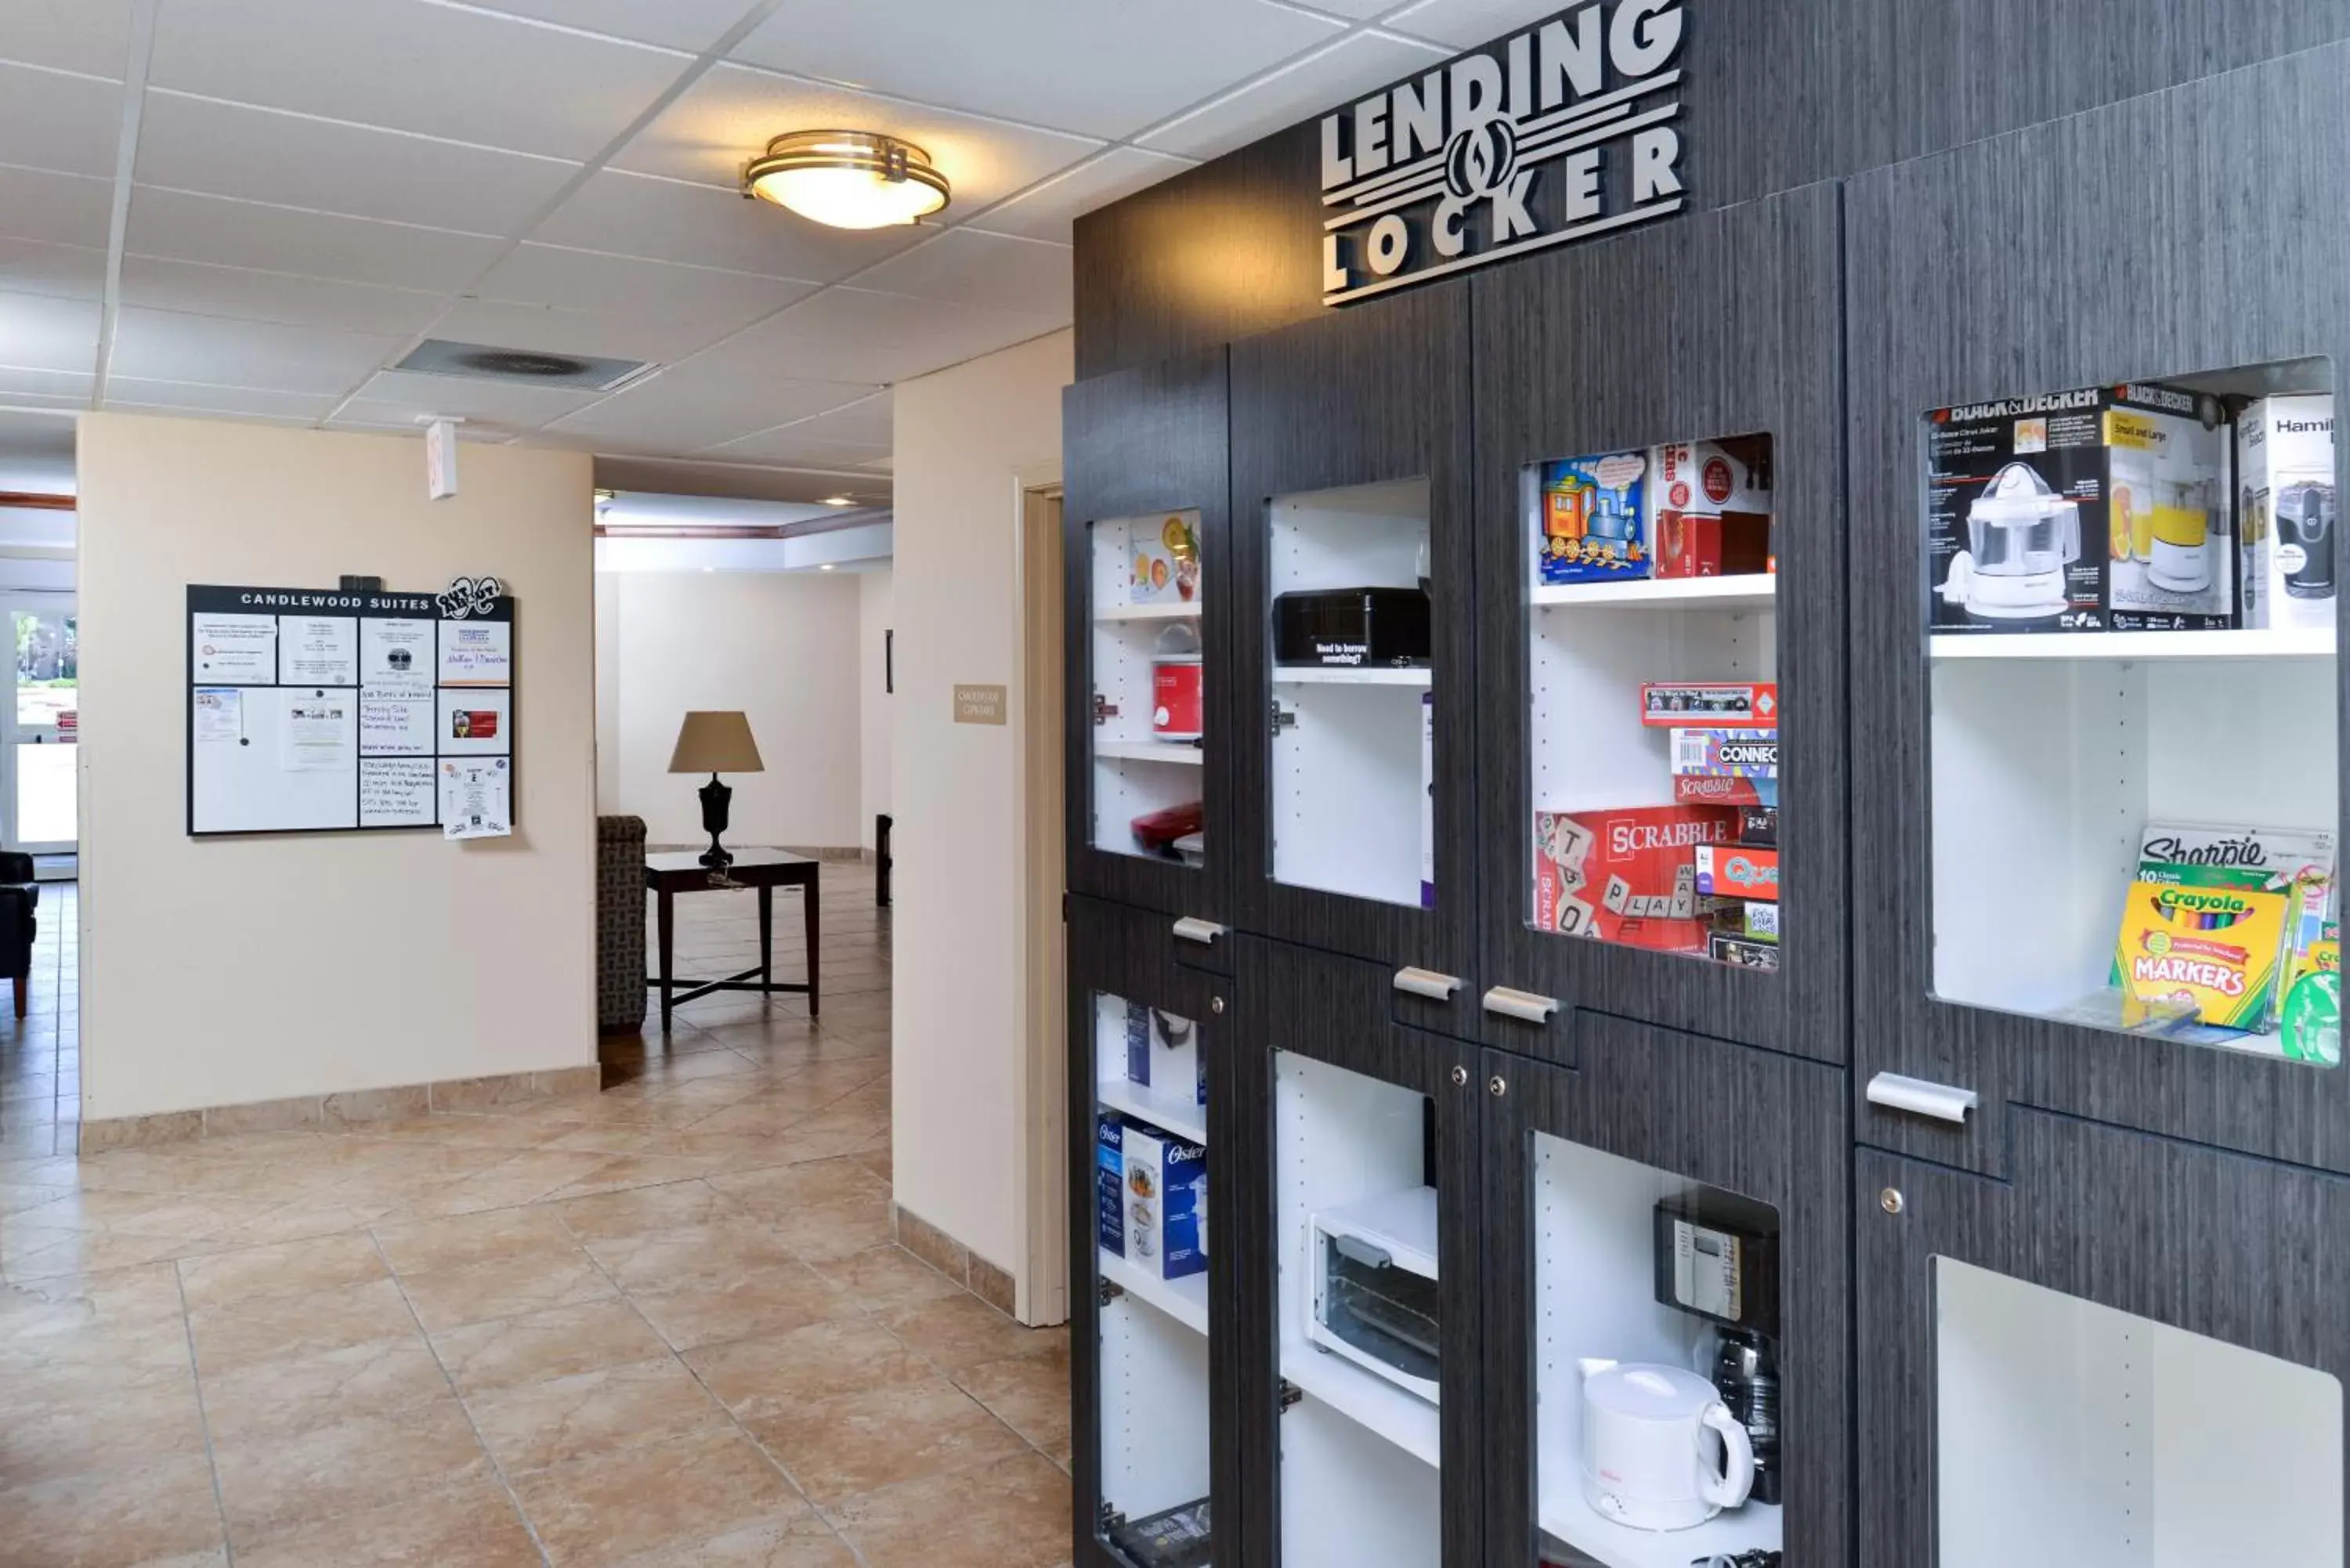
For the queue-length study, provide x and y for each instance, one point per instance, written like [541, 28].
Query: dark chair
[19, 896]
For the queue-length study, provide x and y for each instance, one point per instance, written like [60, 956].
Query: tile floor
[41, 1054]
[663, 1326]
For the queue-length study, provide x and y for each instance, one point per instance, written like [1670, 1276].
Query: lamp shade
[715, 743]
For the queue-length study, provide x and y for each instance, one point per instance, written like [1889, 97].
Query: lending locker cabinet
[1351, 642]
[1146, 597]
[1661, 619]
[2097, 700]
[1151, 1328]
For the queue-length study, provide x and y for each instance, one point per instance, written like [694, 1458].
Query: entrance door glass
[42, 725]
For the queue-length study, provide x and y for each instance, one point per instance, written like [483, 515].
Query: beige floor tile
[692, 1256]
[838, 1228]
[100, 1434]
[795, 1186]
[504, 1287]
[76, 1303]
[758, 1379]
[285, 1269]
[273, 1484]
[537, 1425]
[764, 1299]
[1011, 1514]
[642, 1171]
[647, 1211]
[1030, 1394]
[883, 1437]
[415, 1246]
[284, 1395]
[129, 1519]
[245, 1333]
[527, 1178]
[963, 1332]
[43, 1251]
[556, 1342]
[807, 1542]
[609, 1508]
[470, 1526]
[881, 1278]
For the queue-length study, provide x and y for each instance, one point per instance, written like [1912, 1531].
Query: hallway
[40, 1054]
[664, 1325]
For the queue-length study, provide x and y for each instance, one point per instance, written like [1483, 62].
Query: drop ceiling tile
[856, 335]
[789, 446]
[405, 65]
[1335, 76]
[54, 388]
[401, 397]
[41, 333]
[631, 286]
[68, 272]
[689, 25]
[299, 160]
[728, 116]
[69, 124]
[296, 301]
[552, 331]
[998, 271]
[1465, 23]
[62, 209]
[89, 35]
[1047, 212]
[180, 226]
[131, 392]
[863, 425]
[701, 225]
[1099, 69]
[218, 350]
[696, 405]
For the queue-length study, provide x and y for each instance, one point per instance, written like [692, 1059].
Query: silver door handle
[1427, 983]
[1922, 1098]
[1192, 929]
[1523, 1004]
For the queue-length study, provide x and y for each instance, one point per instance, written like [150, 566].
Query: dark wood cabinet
[1741, 1145]
[2001, 782]
[1723, 324]
[2125, 1351]
[1353, 780]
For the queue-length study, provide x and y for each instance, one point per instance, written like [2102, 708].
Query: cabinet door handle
[1192, 929]
[1922, 1098]
[1523, 1004]
[1427, 983]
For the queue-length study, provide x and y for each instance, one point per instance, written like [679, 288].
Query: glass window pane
[2068, 1433]
[1656, 1321]
[47, 661]
[1361, 1318]
[1353, 775]
[1152, 1219]
[1149, 730]
[1654, 742]
[2133, 727]
[45, 807]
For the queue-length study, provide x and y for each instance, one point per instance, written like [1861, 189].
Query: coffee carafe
[1746, 1376]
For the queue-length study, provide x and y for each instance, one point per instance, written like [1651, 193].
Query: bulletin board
[338, 710]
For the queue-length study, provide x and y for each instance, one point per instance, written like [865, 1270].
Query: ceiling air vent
[524, 367]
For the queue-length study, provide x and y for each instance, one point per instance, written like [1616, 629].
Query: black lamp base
[715, 798]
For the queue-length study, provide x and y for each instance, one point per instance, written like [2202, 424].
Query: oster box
[1627, 875]
[1166, 1201]
[1109, 1180]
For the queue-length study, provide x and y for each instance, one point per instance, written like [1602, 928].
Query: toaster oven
[1373, 1298]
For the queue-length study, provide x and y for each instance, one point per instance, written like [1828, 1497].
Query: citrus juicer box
[1591, 519]
[2204, 941]
[1627, 875]
[2287, 512]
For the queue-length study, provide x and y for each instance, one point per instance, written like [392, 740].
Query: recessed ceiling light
[847, 179]
[824, 567]
[839, 501]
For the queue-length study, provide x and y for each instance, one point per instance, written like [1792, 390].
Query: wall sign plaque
[1557, 133]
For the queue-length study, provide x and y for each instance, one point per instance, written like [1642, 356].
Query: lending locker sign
[1557, 133]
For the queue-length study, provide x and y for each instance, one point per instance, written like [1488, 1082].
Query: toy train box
[1679, 704]
[1627, 875]
[1592, 518]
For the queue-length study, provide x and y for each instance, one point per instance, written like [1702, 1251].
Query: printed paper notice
[395, 726]
[475, 723]
[475, 798]
[235, 649]
[396, 792]
[395, 656]
[317, 734]
[318, 650]
[477, 653]
[220, 716]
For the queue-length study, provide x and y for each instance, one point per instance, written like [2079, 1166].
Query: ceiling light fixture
[839, 501]
[847, 179]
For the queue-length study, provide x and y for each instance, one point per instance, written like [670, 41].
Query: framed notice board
[336, 711]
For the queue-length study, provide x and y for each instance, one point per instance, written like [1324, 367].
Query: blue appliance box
[1166, 1201]
[1138, 1043]
[1109, 1180]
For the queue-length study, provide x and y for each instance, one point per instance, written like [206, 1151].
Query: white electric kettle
[1660, 1450]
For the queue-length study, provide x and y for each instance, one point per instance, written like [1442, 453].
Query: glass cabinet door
[1147, 741]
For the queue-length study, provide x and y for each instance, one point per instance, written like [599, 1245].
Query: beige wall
[223, 970]
[876, 710]
[962, 438]
[779, 646]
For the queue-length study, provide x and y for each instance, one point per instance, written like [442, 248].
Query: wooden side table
[682, 871]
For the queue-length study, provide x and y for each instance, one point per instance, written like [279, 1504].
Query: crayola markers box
[2203, 941]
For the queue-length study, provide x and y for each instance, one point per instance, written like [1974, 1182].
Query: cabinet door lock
[1427, 983]
[1520, 1005]
[1919, 1098]
[1192, 929]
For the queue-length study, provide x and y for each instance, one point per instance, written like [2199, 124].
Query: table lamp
[715, 743]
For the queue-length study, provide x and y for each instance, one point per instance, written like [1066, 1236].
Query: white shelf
[1564, 1514]
[1758, 590]
[1171, 609]
[1370, 1401]
[1340, 675]
[2273, 643]
[1182, 1115]
[1184, 1299]
[1185, 755]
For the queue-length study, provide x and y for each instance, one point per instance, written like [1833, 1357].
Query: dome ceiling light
[847, 179]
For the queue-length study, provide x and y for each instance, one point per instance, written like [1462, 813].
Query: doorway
[39, 723]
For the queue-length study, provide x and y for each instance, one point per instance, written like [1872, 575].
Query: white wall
[781, 646]
[963, 436]
[876, 710]
[224, 971]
